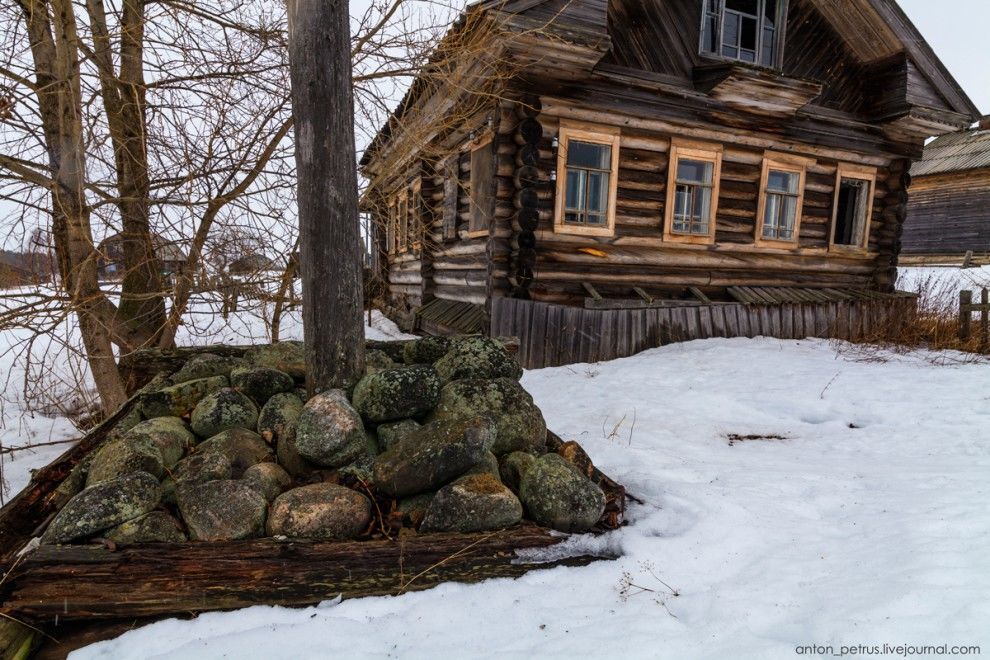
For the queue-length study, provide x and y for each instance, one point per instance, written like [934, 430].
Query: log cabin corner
[597, 177]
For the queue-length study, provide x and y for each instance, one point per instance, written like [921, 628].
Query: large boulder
[154, 527]
[329, 432]
[240, 448]
[287, 356]
[520, 424]
[222, 410]
[393, 394]
[391, 433]
[102, 506]
[269, 479]
[319, 511]
[513, 466]
[169, 434]
[395, 350]
[426, 350]
[288, 456]
[477, 357]
[205, 365]
[124, 456]
[473, 503]
[261, 383]
[199, 467]
[487, 465]
[377, 361]
[278, 416]
[433, 455]
[557, 495]
[179, 400]
[224, 510]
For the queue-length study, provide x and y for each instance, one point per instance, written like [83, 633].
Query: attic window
[743, 30]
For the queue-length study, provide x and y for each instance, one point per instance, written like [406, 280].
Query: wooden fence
[553, 335]
[966, 309]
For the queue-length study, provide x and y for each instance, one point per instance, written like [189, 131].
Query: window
[743, 30]
[390, 227]
[403, 233]
[587, 169]
[853, 207]
[482, 195]
[781, 200]
[416, 224]
[692, 192]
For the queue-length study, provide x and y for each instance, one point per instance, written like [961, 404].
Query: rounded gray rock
[319, 511]
[261, 383]
[279, 415]
[104, 505]
[224, 510]
[269, 479]
[240, 448]
[170, 434]
[222, 410]
[205, 365]
[179, 400]
[473, 503]
[393, 394]
[477, 357]
[124, 456]
[329, 432]
[557, 495]
[391, 433]
[154, 527]
[426, 350]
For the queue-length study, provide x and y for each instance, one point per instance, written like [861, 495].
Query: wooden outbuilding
[601, 176]
[949, 207]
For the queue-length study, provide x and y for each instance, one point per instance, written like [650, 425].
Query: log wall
[554, 335]
[949, 214]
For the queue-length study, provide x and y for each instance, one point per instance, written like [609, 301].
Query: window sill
[848, 249]
[688, 239]
[778, 244]
[578, 230]
[477, 233]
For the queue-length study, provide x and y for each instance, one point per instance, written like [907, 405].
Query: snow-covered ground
[866, 524]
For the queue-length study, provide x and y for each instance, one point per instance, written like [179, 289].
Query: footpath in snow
[866, 522]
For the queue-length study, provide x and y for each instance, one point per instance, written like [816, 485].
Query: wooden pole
[984, 321]
[326, 169]
[965, 301]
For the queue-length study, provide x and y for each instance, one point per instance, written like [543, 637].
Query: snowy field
[864, 522]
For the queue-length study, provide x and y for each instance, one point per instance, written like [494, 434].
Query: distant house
[250, 264]
[949, 202]
[24, 268]
[171, 257]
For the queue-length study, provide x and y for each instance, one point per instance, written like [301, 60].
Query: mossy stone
[376, 361]
[487, 465]
[104, 505]
[205, 365]
[287, 356]
[513, 466]
[241, 449]
[433, 455]
[222, 410]
[473, 503]
[202, 466]
[426, 350]
[124, 456]
[329, 432]
[170, 434]
[413, 509]
[395, 350]
[223, 510]
[278, 416]
[261, 383]
[394, 394]
[179, 400]
[392, 432]
[557, 495]
[321, 511]
[269, 479]
[477, 357]
[519, 423]
[154, 527]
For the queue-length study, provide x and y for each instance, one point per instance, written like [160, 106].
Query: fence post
[965, 301]
[984, 320]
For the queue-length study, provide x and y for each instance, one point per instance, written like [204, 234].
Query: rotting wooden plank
[787, 321]
[731, 313]
[705, 322]
[553, 337]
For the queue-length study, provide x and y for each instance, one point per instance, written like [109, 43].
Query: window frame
[594, 134]
[402, 233]
[779, 36]
[391, 224]
[703, 151]
[472, 230]
[791, 164]
[416, 225]
[860, 173]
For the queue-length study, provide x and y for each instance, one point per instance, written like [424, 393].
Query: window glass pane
[783, 181]
[708, 42]
[852, 212]
[597, 191]
[744, 6]
[572, 218]
[730, 30]
[596, 220]
[770, 13]
[767, 59]
[585, 154]
[702, 202]
[682, 202]
[694, 171]
[747, 38]
[576, 187]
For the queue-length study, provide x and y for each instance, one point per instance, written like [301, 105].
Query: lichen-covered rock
[102, 506]
[222, 410]
[473, 503]
[477, 357]
[205, 365]
[278, 416]
[391, 433]
[169, 434]
[513, 466]
[557, 495]
[413, 509]
[179, 400]
[520, 424]
[289, 458]
[394, 394]
[239, 447]
[287, 356]
[261, 383]
[376, 361]
[202, 466]
[319, 511]
[124, 456]
[269, 479]
[433, 455]
[395, 350]
[426, 350]
[487, 465]
[224, 510]
[154, 527]
[329, 432]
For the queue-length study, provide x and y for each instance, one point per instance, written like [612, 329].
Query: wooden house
[949, 203]
[600, 176]
[110, 265]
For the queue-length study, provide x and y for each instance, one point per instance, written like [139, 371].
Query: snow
[866, 524]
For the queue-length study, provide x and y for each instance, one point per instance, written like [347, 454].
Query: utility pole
[326, 170]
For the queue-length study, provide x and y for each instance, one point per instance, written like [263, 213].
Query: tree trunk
[329, 233]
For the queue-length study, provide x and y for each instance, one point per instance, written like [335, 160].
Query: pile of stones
[438, 436]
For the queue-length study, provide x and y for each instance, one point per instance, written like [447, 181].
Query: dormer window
[743, 30]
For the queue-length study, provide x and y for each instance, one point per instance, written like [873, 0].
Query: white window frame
[779, 35]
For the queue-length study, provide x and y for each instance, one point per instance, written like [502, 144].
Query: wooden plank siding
[553, 335]
[949, 214]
